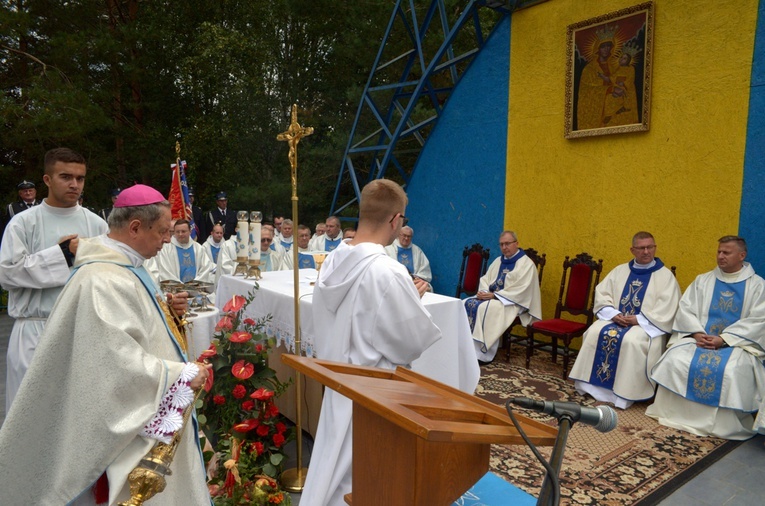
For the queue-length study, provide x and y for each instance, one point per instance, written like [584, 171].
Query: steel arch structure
[423, 54]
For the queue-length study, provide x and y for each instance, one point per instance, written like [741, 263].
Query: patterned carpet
[640, 462]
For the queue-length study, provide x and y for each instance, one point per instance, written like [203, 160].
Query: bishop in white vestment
[509, 289]
[712, 378]
[635, 305]
[366, 311]
[109, 380]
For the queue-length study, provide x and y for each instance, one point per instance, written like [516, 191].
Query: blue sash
[330, 245]
[215, 252]
[725, 308]
[406, 258]
[285, 244]
[187, 264]
[706, 375]
[506, 266]
[267, 265]
[610, 338]
[306, 261]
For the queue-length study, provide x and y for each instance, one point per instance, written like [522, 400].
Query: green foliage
[121, 81]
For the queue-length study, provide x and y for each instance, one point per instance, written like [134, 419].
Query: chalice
[318, 258]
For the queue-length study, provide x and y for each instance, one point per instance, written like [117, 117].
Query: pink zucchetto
[138, 195]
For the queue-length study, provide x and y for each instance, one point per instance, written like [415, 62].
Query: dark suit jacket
[229, 222]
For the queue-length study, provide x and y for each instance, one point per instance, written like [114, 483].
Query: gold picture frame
[608, 73]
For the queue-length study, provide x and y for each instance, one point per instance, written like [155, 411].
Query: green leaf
[202, 419]
[276, 458]
[270, 470]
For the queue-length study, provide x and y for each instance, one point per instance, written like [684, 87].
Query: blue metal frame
[389, 117]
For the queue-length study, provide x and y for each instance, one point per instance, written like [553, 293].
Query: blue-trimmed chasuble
[215, 252]
[610, 338]
[187, 264]
[506, 266]
[330, 245]
[306, 261]
[708, 366]
[406, 258]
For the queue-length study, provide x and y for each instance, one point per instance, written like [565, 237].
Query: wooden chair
[475, 261]
[580, 277]
[539, 259]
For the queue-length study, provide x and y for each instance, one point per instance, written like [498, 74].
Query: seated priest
[305, 258]
[214, 243]
[182, 259]
[410, 256]
[221, 251]
[332, 238]
[509, 289]
[321, 228]
[270, 259]
[711, 378]
[635, 305]
[285, 237]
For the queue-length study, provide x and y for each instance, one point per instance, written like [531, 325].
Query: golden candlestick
[294, 479]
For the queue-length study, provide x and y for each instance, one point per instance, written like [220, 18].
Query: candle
[255, 241]
[242, 240]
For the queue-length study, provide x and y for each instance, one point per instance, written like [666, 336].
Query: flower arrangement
[238, 414]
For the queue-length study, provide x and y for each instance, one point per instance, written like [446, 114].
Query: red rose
[243, 370]
[263, 430]
[278, 440]
[235, 305]
[248, 405]
[246, 425]
[240, 337]
[262, 394]
[280, 428]
[249, 321]
[258, 348]
[257, 447]
[225, 323]
[219, 399]
[239, 391]
[209, 381]
[208, 353]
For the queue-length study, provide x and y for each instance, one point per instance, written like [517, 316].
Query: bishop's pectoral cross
[293, 135]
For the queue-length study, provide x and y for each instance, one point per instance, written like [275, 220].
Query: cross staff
[293, 135]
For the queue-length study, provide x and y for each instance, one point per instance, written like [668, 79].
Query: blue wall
[752, 222]
[457, 194]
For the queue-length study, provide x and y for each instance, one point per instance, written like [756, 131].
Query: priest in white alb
[366, 311]
[712, 378]
[183, 259]
[410, 255]
[305, 258]
[635, 305]
[37, 252]
[331, 238]
[509, 289]
[110, 377]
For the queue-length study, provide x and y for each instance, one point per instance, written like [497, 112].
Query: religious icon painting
[608, 74]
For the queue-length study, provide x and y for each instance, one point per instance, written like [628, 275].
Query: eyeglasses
[507, 243]
[266, 240]
[404, 219]
[644, 248]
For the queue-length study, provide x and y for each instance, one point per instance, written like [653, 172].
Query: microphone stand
[556, 460]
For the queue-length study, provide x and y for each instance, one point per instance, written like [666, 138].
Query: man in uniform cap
[222, 215]
[113, 193]
[27, 199]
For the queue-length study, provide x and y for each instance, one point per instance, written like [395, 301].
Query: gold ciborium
[318, 258]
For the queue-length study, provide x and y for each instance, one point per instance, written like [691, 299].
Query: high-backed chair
[539, 259]
[576, 297]
[475, 261]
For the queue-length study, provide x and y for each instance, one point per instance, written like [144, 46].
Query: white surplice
[371, 315]
[743, 383]
[520, 297]
[420, 263]
[641, 345]
[33, 270]
[102, 367]
[165, 265]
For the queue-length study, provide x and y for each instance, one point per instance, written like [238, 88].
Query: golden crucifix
[293, 135]
[294, 479]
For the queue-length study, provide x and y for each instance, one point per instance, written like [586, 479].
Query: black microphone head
[608, 419]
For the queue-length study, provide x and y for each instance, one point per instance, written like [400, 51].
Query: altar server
[366, 311]
[37, 252]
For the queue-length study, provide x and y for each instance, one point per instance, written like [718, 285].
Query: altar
[451, 360]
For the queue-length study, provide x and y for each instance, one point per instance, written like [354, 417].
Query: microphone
[602, 418]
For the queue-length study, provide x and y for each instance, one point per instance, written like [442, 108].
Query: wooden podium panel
[416, 441]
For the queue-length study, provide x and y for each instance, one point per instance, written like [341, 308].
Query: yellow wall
[681, 180]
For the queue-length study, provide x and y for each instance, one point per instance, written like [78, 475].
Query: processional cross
[293, 135]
